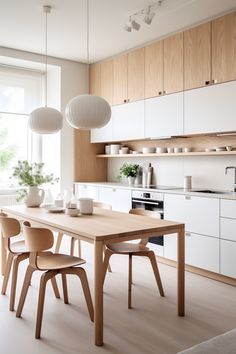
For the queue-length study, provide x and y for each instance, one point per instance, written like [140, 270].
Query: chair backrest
[102, 205]
[37, 239]
[10, 227]
[140, 211]
[151, 214]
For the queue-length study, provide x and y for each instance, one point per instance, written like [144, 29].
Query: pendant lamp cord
[88, 35]
[46, 57]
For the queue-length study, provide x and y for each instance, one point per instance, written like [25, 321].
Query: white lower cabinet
[86, 190]
[120, 199]
[202, 251]
[228, 258]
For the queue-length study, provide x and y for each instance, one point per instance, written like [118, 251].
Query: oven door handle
[144, 202]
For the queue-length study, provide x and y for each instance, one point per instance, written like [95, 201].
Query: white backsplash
[206, 171]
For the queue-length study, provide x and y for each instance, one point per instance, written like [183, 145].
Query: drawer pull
[187, 234]
[113, 190]
[187, 197]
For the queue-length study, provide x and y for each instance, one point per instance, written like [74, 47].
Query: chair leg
[72, 246]
[64, 285]
[107, 256]
[55, 288]
[59, 240]
[109, 266]
[7, 273]
[16, 262]
[153, 261]
[84, 282]
[25, 287]
[130, 281]
[43, 282]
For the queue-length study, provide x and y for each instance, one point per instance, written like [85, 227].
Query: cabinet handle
[207, 83]
[187, 234]
[187, 197]
[125, 101]
[160, 93]
[113, 190]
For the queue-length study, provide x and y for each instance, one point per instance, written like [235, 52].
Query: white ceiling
[22, 24]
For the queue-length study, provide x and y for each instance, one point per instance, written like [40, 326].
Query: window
[20, 92]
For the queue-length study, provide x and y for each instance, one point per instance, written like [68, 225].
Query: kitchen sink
[212, 191]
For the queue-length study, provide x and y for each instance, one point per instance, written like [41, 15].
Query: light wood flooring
[151, 327]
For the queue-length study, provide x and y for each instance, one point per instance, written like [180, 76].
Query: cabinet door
[224, 48]
[136, 75]
[173, 64]
[107, 80]
[228, 229]
[120, 79]
[118, 198]
[154, 69]
[86, 190]
[228, 208]
[95, 79]
[128, 121]
[197, 56]
[164, 116]
[227, 258]
[103, 134]
[210, 109]
[200, 214]
[202, 252]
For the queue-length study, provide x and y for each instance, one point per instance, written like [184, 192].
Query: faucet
[232, 168]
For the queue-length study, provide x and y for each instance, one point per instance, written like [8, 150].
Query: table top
[102, 225]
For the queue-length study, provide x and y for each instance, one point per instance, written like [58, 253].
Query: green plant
[129, 170]
[31, 175]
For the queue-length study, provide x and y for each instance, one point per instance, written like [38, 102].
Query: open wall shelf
[194, 153]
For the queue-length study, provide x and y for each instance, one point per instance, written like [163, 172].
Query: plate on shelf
[55, 209]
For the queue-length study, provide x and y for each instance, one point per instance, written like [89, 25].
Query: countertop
[178, 190]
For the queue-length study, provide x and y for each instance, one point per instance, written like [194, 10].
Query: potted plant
[130, 171]
[31, 176]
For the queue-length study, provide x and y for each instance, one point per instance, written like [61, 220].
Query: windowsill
[8, 191]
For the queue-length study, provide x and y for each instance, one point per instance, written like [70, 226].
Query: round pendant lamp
[45, 120]
[87, 112]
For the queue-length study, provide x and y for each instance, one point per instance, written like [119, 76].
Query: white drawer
[227, 258]
[228, 208]
[228, 229]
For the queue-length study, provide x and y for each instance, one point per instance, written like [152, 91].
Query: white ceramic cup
[86, 206]
[177, 149]
[170, 150]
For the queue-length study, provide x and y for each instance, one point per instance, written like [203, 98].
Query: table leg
[3, 255]
[181, 275]
[98, 292]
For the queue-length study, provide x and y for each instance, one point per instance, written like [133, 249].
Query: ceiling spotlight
[148, 16]
[135, 25]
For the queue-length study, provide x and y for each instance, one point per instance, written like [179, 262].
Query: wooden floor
[150, 327]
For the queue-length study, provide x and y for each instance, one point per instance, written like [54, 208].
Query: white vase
[34, 197]
[131, 180]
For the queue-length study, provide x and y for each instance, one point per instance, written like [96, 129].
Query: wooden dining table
[101, 228]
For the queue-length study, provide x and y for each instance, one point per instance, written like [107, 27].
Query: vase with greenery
[32, 177]
[130, 171]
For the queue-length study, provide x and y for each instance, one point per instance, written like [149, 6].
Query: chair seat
[58, 261]
[127, 247]
[18, 247]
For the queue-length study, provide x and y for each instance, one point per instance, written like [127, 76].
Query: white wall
[74, 81]
[206, 171]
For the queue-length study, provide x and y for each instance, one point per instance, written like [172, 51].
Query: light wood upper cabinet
[224, 48]
[120, 79]
[173, 64]
[136, 75]
[154, 69]
[95, 79]
[107, 80]
[197, 56]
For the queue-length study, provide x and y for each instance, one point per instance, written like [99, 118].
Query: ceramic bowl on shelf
[170, 150]
[148, 150]
[114, 149]
[124, 150]
[177, 150]
[220, 148]
[187, 149]
[229, 148]
[161, 150]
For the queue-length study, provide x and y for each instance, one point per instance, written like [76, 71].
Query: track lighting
[147, 15]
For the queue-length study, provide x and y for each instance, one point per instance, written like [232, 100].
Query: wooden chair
[39, 240]
[72, 242]
[132, 249]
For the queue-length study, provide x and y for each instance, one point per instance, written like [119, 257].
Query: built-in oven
[153, 201]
